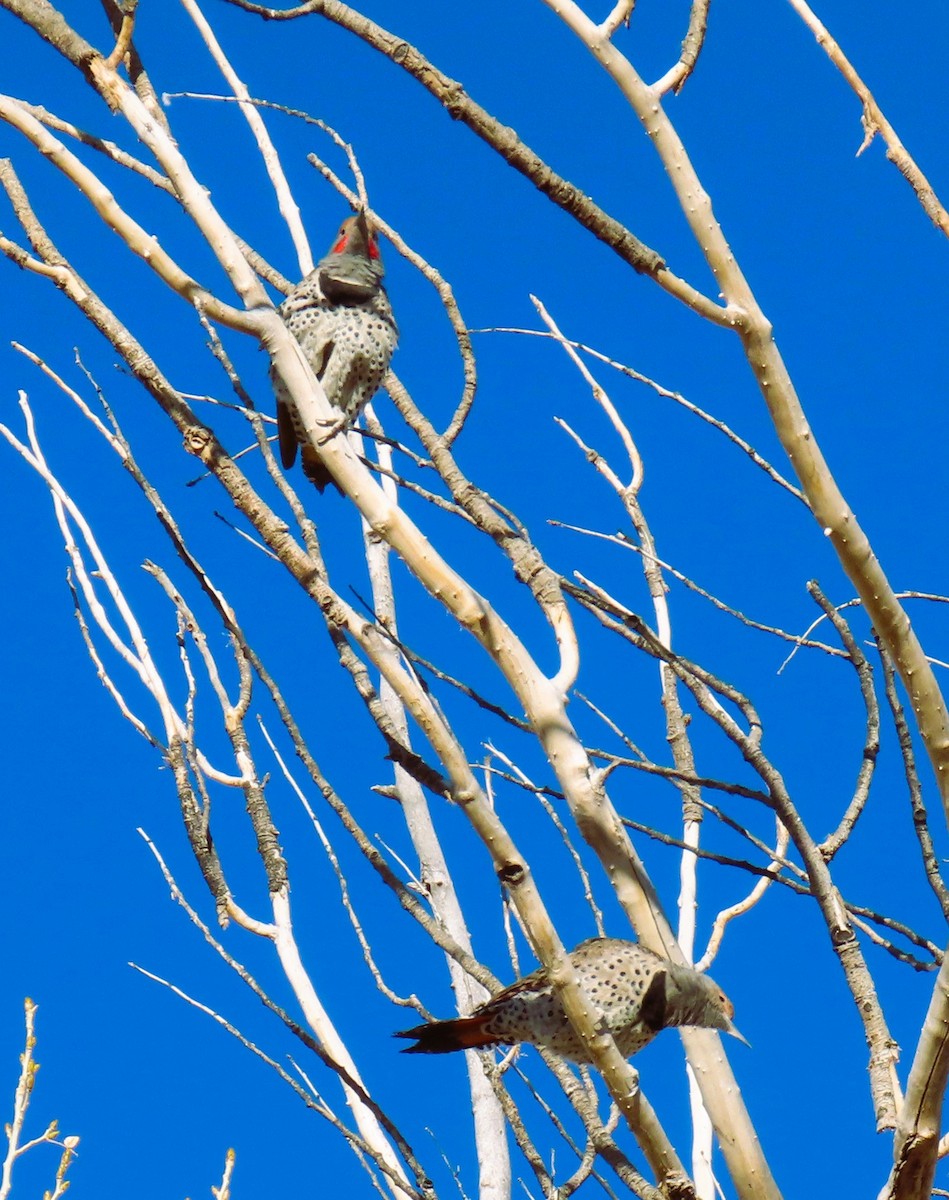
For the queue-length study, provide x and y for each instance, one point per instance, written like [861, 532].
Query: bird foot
[340, 425]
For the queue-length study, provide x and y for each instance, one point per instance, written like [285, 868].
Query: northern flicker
[635, 991]
[341, 316]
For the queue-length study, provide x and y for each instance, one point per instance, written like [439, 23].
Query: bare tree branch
[875, 122]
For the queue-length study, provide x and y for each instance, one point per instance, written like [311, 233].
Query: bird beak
[731, 1029]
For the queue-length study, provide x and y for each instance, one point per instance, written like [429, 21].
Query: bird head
[680, 996]
[352, 269]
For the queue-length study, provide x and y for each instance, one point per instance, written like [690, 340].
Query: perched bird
[341, 316]
[635, 991]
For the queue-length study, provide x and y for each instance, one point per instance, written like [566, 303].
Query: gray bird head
[679, 995]
[352, 270]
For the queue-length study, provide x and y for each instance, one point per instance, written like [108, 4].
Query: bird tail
[315, 471]
[441, 1037]
[311, 462]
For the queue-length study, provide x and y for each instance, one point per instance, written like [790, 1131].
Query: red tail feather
[441, 1037]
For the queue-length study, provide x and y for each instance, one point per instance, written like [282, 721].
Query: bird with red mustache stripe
[341, 316]
[636, 992]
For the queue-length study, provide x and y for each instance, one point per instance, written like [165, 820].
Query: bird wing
[286, 434]
[654, 1006]
[535, 982]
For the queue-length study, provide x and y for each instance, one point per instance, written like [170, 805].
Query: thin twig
[564, 835]
[397, 1183]
[675, 78]
[871, 745]
[913, 785]
[620, 539]
[875, 122]
[224, 1191]
[666, 393]
[268, 152]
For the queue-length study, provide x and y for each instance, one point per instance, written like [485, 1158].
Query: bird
[636, 992]
[341, 316]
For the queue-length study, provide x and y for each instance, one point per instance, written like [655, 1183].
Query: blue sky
[851, 274]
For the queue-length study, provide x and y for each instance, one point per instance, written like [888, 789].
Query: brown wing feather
[534, 982]
[286, 435]
[286, 427]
